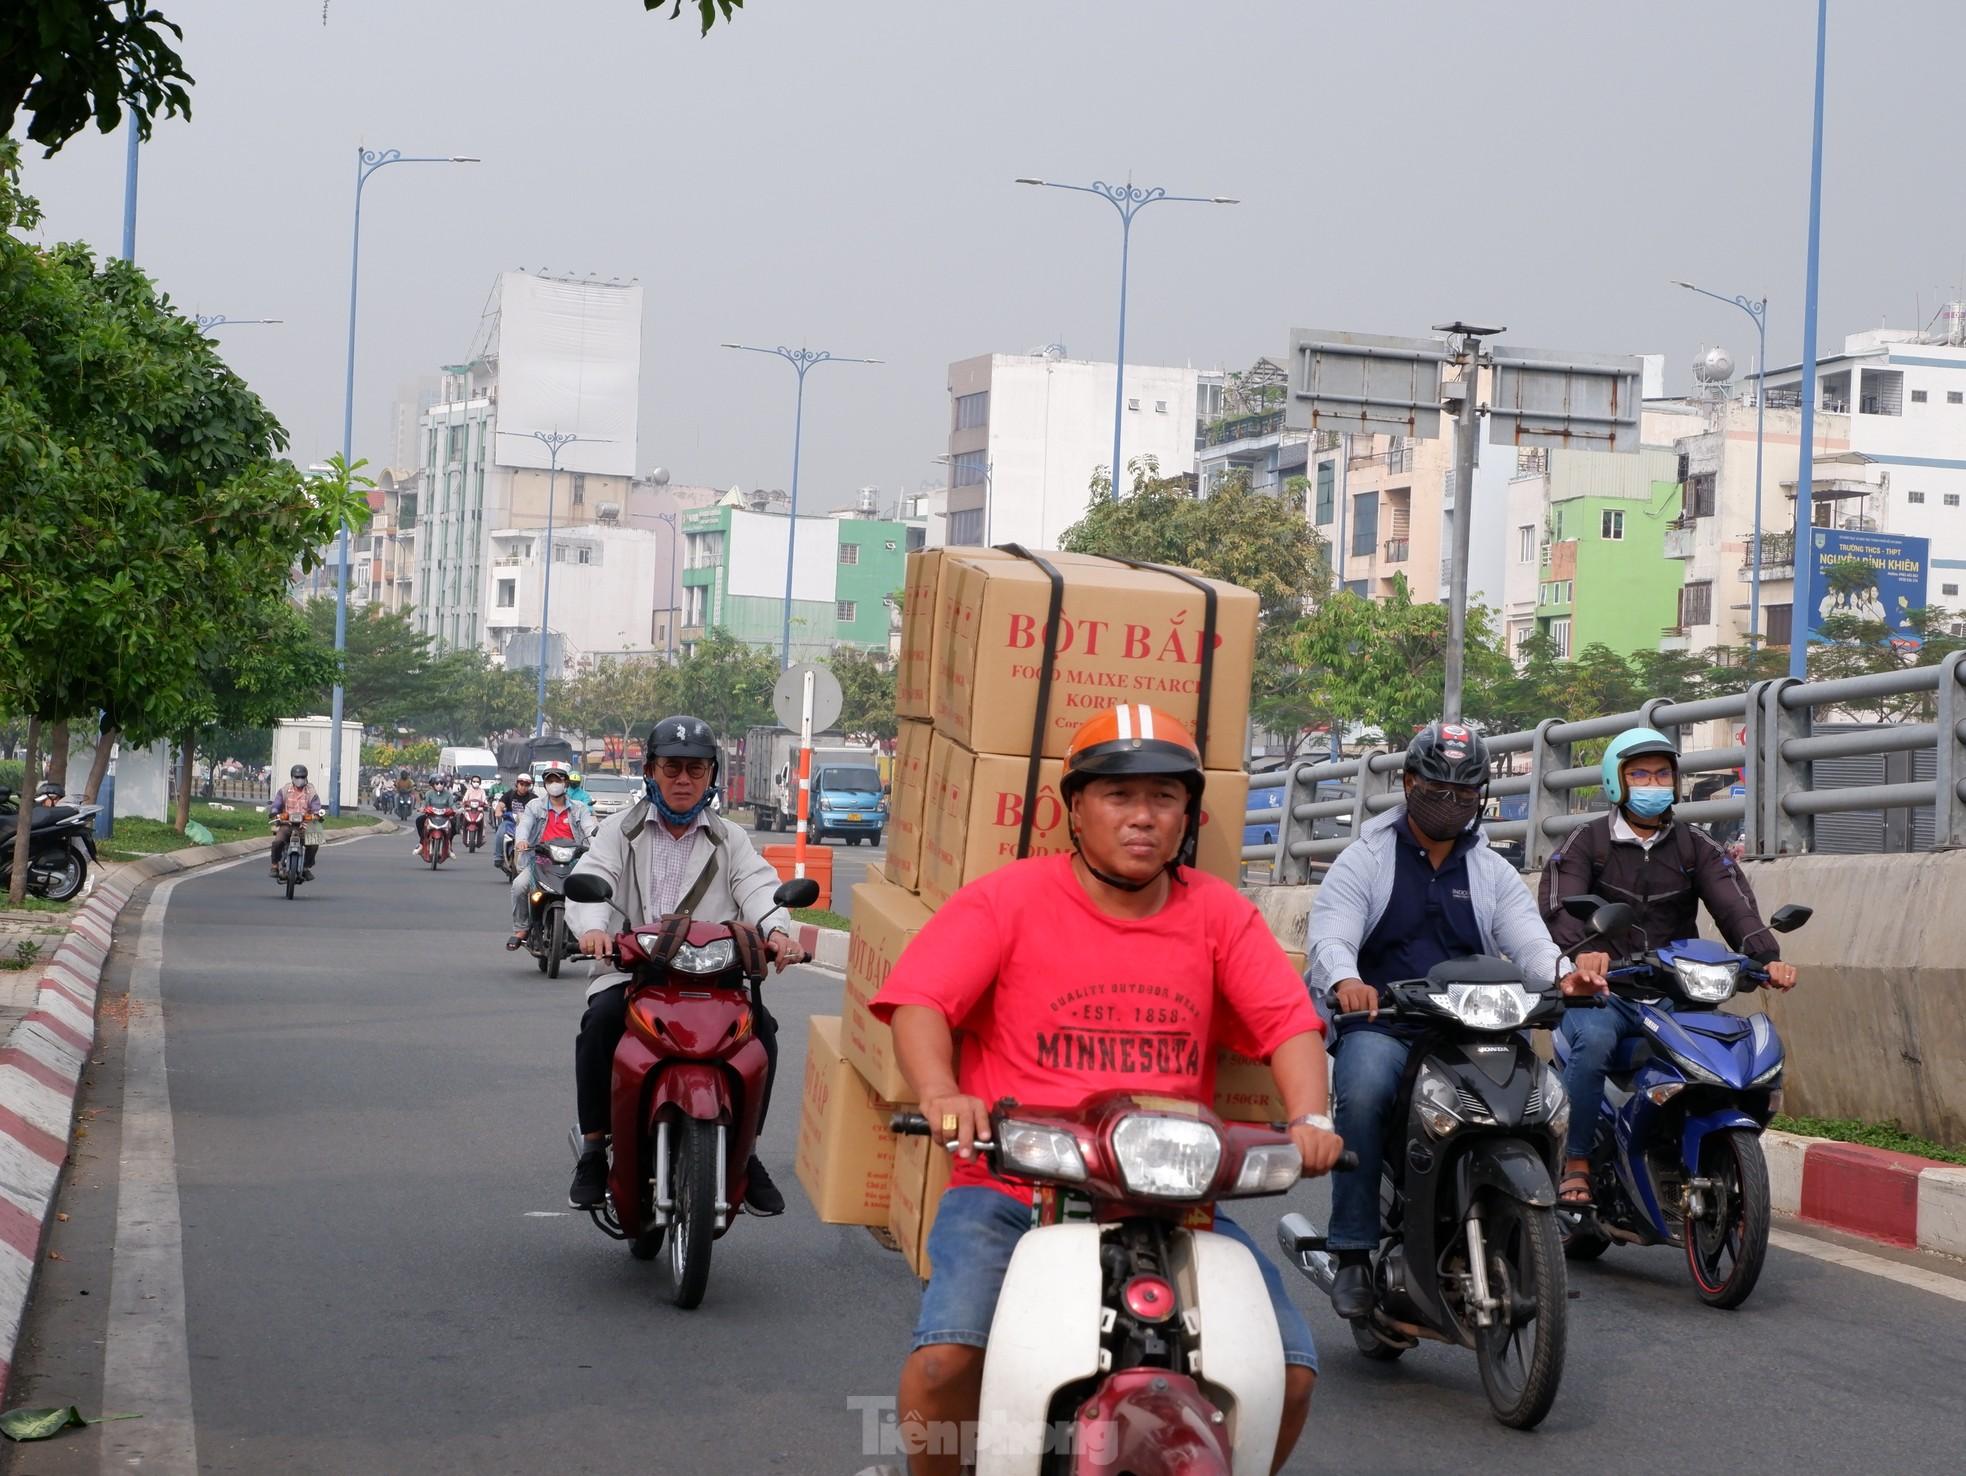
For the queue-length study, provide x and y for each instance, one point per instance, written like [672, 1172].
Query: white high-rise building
[1027, 432]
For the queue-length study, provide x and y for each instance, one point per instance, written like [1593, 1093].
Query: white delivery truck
[771, 772]
[306, 740]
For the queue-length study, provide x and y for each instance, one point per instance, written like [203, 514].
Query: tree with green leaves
[866, 695]
[70, 61]
[148, 513]
[613, 699]
[386, 660]
[1379, 664]
[707, 11]
[724, 681]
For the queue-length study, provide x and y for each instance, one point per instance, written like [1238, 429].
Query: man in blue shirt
[1420, 886]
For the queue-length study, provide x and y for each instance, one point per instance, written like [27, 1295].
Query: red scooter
[474, 825]
[438, 820]
[689, 1079]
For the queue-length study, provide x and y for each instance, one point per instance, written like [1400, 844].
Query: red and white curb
[825, 947]
[41, 1069]
[1891, 1197]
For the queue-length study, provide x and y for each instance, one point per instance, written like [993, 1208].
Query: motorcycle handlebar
[914, 1125]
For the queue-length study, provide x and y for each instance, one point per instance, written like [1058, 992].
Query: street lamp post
[1806, 451]
[208, 321]
[367, 162]
[554, 442]
[669, 589]
[1758, 311]
[1129, 200]
[802, 361]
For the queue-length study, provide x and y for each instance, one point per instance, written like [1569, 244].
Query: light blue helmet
[1628, 745]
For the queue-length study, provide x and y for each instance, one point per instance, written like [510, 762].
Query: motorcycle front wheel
[1521, 1353]
[694, 1183]
[556, 944]
[1726, 1246]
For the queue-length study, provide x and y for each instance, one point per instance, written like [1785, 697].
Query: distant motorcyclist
[549, 819]
[576, 791]
[296, 797]
[667, 853]
[474, 793]
[1640, 855]
[1419, 887]
[438, 793]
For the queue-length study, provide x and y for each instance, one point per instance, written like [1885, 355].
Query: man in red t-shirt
[1115, 966]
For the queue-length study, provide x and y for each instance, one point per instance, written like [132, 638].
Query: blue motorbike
[1678, 1159]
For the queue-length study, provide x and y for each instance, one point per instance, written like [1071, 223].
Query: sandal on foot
[1573, 1192]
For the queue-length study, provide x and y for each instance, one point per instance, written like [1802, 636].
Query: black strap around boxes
[1055, 610]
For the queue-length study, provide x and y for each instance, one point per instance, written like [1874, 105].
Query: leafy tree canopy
[67, 62]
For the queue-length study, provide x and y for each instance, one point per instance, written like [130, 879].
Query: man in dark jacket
[1639, 855]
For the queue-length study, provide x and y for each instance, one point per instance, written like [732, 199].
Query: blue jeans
[1365, 1072]
[975, 1232]
[1591, 1035]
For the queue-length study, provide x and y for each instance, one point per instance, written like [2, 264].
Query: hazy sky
[839, 173]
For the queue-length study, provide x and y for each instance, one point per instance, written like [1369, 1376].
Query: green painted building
[843, 571]
[1604, 576]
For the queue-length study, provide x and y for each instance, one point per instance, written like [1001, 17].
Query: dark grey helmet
[1448, 753]
[683, 736]
[298, 771]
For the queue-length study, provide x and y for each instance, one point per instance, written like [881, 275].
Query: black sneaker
[1351, 1291]
[761, 1196]
[590, 1180]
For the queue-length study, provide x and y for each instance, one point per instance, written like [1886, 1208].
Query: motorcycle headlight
[1167, 1157]
[1707, 983]
[710, 958]
[1042, 1152]
[561, 854]
[1438, 1103]
[1486, 1006]
[1773, 1073]
[1269, 1169]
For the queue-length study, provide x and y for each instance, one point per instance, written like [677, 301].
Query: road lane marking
[147, 1358]
[1856, 1260]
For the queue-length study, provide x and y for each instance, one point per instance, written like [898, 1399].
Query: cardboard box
[921, 1176]
[975, 805]
[845, 1155]
[1125, 635]
[885, 920]
[914, 669]
[904, 803]
[1244, 1090]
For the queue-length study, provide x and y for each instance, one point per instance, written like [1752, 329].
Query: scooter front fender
[693, 1088]
[1044, 1335]
[1697, 1128]
[1508, 1166]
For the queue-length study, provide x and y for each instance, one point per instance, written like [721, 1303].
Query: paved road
[367, 1111]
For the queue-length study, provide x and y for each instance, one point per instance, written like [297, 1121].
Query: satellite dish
[660, 476]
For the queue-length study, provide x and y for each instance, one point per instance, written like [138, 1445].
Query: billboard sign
[1543, 397]
[1364, 382]
[569, 360]
[1897, 587]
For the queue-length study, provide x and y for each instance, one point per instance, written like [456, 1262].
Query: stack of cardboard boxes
[973, 647]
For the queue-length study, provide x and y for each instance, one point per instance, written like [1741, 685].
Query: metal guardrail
[1777, 812]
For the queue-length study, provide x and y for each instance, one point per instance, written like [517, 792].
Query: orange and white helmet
[1131, 739]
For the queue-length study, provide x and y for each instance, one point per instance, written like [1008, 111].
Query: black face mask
[1441, 819]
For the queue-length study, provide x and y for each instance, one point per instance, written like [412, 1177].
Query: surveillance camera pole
[1467, 433]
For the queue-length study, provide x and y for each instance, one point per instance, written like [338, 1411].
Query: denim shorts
[975, 1232]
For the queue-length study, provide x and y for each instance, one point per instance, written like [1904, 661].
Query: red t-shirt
[1056, 1000]
[558, 826]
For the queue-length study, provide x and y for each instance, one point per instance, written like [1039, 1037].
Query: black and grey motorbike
[62, 843]
[1472, 1253]
[547, 939]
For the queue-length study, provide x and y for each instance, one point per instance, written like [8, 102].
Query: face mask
[667, 812]
[1651, 801]
[556, 790]
[1441, 819]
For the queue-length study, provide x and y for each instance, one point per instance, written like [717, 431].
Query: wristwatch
[1314, 1120]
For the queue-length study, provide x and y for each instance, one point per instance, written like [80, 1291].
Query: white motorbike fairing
[1240, 1364]
[1045, 1334]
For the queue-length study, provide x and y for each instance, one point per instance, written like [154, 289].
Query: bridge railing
[1776, 766]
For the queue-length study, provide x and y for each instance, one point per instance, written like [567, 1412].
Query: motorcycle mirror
[1584, 907]
[1611, 917]
[801, 891]
[584, 886]
[1791, 916]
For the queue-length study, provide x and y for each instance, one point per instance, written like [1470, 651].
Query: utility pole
[1467, 440]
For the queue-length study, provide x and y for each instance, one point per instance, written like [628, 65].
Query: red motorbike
[439, 822]
[474, 825]
[689, 1079]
